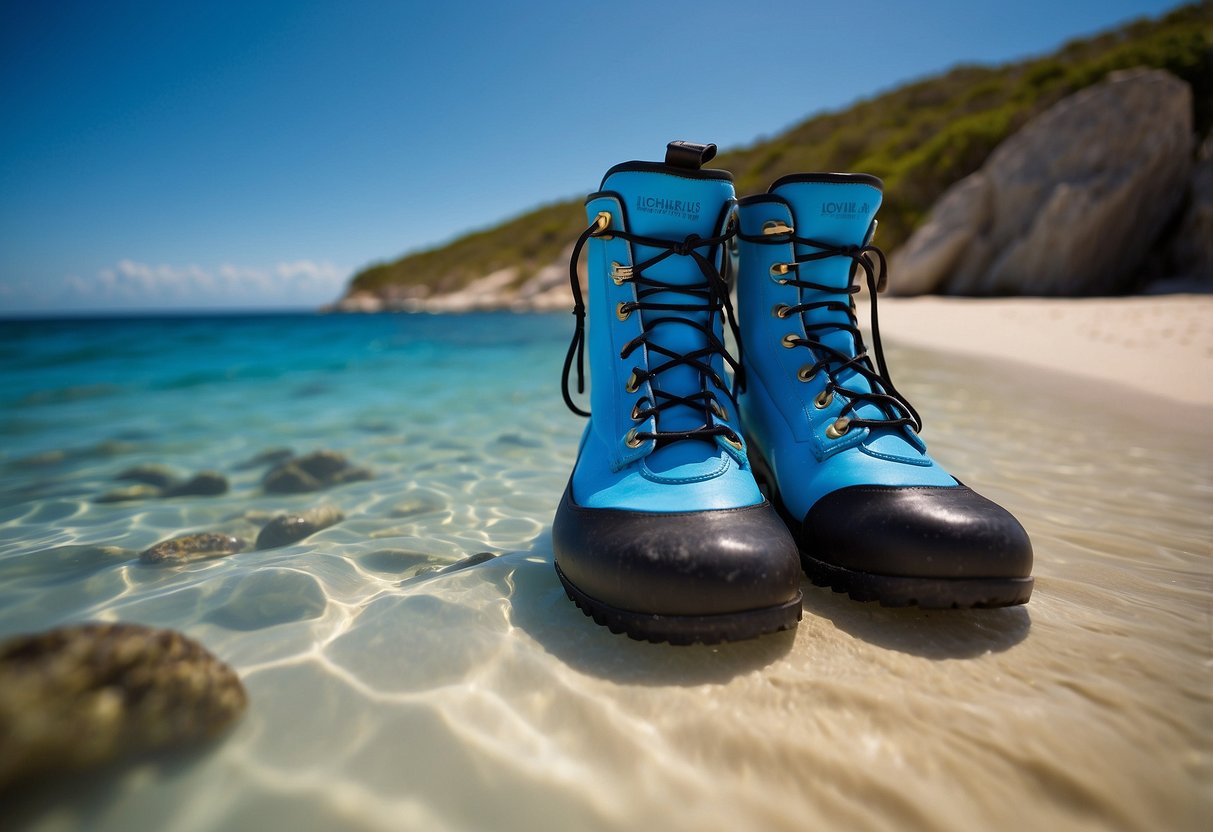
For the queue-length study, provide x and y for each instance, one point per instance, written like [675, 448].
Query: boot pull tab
[689, 154]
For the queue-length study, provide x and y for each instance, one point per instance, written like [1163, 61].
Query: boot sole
[685, 629]
[896, 590]
[925, 593]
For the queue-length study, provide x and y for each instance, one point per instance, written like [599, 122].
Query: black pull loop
[689, 154]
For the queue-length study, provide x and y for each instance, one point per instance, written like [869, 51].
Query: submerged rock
[470, 560]
[1069, 205]
[129, 494]
[79, 696]
[286, 529]
[268, 597]
[395, 561]
[312, 472]
[417, 504]
[193, 547]
[202, 484]
[160, 476]
[270, 456]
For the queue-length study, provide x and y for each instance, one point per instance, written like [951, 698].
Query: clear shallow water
[384, 699]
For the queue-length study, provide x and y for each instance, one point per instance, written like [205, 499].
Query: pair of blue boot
[697, 499]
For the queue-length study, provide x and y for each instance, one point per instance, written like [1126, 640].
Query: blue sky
[159, 155]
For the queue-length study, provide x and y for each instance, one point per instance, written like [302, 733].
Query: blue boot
[833, 442]
[662, 532]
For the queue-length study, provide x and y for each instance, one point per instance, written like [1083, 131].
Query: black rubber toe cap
[917, 531]
[714, 562]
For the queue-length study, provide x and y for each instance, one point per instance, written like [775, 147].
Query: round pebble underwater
[411, 661]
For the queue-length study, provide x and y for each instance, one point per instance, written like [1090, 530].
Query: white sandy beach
[1159, 345]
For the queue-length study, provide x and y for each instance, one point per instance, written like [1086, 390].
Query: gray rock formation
[1190, 255]
[1069, 205]
[79, 696]
[159, 476]
[270, 456]
[286, 529]
[932, 253]
[312, 472]
[129, 494]
[202, 484]
[193, 547]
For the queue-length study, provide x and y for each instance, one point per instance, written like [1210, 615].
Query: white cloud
[134, 283]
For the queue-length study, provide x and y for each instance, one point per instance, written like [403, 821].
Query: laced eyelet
[620, 273]
[734, 440]
[718, 411]
[838, 428]
[790, 340]
[622, 312]
[806, 373]
[632, 440]
[780, 310]
[633, 383]
[823, 400]
[601, 223]
[771, 227]
[780, 268]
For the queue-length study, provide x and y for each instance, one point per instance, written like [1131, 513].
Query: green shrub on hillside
[919, 138]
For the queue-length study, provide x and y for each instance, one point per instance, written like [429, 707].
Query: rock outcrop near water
[1189, 257]
[1072, 204]
[79, 696]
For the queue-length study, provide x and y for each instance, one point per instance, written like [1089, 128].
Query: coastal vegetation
[920, 138]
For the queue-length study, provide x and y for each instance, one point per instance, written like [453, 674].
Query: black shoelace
[896, 408]
[710, 296]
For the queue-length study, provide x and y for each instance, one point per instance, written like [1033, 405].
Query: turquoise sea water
[385, 695]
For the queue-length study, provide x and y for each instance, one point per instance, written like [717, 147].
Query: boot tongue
[836, 209]
[668, 203]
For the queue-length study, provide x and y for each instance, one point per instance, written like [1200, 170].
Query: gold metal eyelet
[633, 383]
[620, 273]
[824, 399]
[637, 416]
[718, 411]
[622, 312]
[780, 268]
[771, 227]
[790, 340]
[780, 310]
[838, 428]
[601, 223]
[806, 373]
[733, 440]
[632, 440]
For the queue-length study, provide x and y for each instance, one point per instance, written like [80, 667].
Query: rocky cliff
[1072, 204]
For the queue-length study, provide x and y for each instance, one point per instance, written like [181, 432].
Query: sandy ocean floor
[385, 698]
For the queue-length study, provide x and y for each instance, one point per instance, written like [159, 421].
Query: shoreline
[1161, 345]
